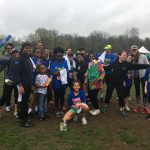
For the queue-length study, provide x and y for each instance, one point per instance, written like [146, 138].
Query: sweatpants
[59, 95]
[93, 97]
[120, 93]
[23, 105]
[6, 95]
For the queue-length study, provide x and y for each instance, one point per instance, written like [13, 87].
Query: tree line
[94, 41]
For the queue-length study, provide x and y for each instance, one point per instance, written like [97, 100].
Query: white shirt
[41, 79]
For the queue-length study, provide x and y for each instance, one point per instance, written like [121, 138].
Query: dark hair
[9, 44]
[25, 44]
[91, 53]
[120, 53]
[58, 50]
[81, 49]
[76, 81]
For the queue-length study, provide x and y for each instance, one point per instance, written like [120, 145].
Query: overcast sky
[21, 17]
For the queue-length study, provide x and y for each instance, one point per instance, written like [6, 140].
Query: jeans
[42, 104]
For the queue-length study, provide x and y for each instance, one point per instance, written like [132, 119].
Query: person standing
[119, 70]
[23, 79]
[59, 70]
[138, 76]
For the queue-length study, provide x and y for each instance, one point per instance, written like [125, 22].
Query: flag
[5, 40]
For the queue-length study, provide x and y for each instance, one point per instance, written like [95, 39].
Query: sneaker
[63, 126]
[58, 114]
[146, 110]
[84, 122]
[29, 110]
[129, 98]
[8, 108]
[75, 118]
[91, 111]
[16, 114]
[27, 125]
[61, 114]
[104, 108]
[96, 112]
[127, 108]
[123, 113]
[137, 109]
[42, 118]
[79, 110]
[148, 117]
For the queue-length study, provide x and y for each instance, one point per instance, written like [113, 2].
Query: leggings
[59, 98]
[137, 82]
[93, 97]
[6, 95]
[120, 93]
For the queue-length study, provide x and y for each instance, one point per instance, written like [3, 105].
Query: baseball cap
[14, 50]
[134, 47]
[108, 47]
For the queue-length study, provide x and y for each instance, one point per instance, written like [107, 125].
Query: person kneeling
[77, 102]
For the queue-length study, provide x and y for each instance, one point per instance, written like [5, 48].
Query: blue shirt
[109, 59]
[147, 78]
[55, 66]
[80, 98]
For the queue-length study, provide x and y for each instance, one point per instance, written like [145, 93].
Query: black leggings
[6, 95]
[93, 97]
[137, 82]
[23, 105]
[59, 98]
[120, 93]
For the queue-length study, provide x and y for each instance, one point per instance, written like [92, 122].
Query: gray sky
[21, 17]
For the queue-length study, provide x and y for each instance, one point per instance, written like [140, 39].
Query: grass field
[104, 132]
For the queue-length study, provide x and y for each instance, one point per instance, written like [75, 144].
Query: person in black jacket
[9, 83]
[119, 70]
[23, 78]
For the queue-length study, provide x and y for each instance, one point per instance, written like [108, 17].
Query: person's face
[15, 55]
[134, 51]
[108, 51]
[130, 58]
[45, 55]
[69, 50]
[8, 49]
[59, 56]
[70, 56]
[91, 57]
[80, 58]
[76, 87]
[27, 50]
[123, 57]
[42, 69]
[40, 45]
[37, 53]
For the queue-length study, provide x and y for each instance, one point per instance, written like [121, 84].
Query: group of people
[46, 75]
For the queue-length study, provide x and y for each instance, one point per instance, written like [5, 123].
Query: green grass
[104, 132]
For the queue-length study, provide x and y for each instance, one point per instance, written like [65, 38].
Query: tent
[143, 50]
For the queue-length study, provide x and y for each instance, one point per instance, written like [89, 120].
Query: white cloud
[21, 17]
